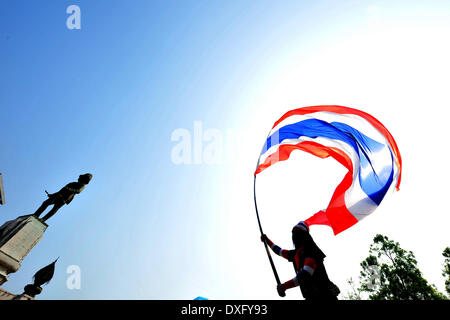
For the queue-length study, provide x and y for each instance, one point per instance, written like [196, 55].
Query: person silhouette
[307, 258]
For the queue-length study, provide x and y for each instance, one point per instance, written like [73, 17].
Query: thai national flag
[356, 140]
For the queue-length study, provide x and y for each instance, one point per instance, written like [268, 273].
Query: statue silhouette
[63, 196]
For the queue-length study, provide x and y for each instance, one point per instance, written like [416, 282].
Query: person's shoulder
[314, 253]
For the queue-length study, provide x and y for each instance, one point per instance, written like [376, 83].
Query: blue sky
[106, 99]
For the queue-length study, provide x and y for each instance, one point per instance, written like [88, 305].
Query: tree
[391, 273]
[355, 293]
[446, 271]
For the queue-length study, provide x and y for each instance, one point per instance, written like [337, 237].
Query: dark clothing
[311, 275]
[314, 286]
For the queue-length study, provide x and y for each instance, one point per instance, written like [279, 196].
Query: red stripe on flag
[336, 215]
[284, 151]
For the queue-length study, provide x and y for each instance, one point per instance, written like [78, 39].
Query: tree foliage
[391, 273]
[446, 271]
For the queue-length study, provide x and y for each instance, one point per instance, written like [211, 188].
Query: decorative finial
[40, 278]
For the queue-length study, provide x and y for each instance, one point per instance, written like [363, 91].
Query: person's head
[85, 178]
[300, 234]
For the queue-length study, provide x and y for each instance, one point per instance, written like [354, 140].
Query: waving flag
[353, 138]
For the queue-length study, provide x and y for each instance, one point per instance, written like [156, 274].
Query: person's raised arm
[276, 249]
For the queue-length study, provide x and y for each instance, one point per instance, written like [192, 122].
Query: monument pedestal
[17, 238]
[5, 295]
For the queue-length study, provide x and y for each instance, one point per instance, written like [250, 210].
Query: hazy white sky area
[392, 63]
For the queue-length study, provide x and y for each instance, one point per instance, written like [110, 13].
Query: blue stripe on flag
[374, 184]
